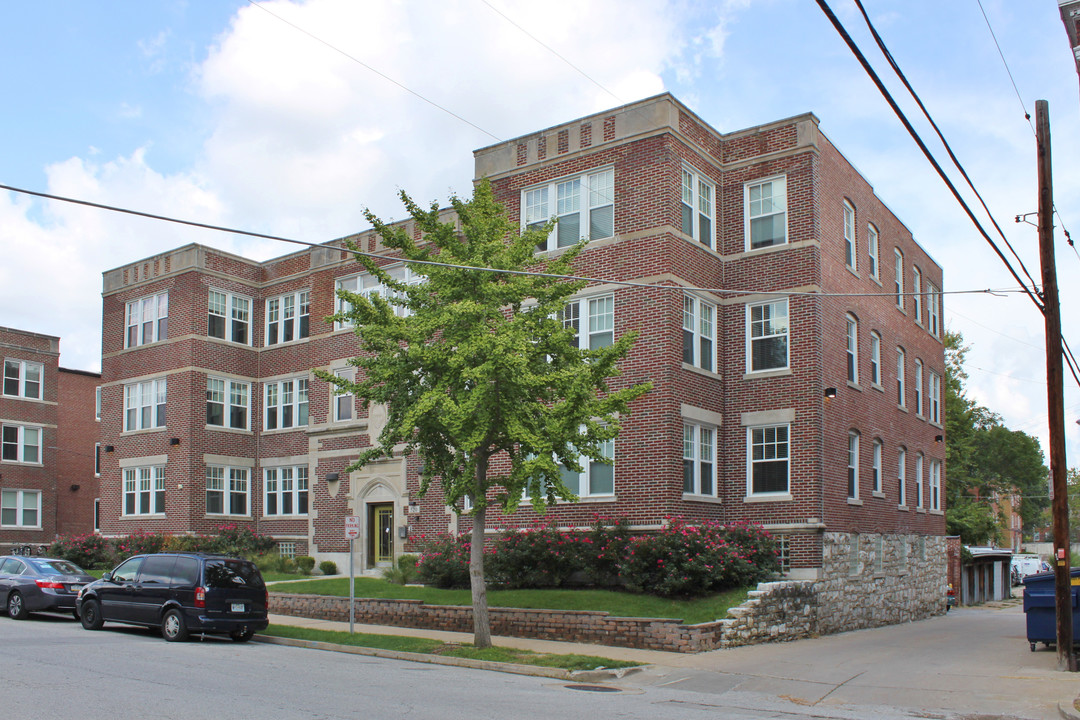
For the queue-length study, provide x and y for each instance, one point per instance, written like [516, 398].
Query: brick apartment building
[48, 479]
[790, 324]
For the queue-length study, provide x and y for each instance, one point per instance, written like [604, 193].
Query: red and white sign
[352, 527]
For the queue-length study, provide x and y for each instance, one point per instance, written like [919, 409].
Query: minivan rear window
[232, 573]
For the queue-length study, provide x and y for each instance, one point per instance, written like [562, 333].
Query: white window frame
[774, 451]
[898, 277]
[288, 314]
[699, 332]
[286, 394]
[232, 395]
[853, 465]
[20, 379]
[147, 320]
[97, 403]
[286, 485]
[143, 491]
[599, 315]
[875, 358]
[872, 243]
[228, 484]
[934, 397]
[698, 205]
[585, 479]
[901, 390]
[850, 254]
[699, 459]
[21, 502]
[918, 387]
[235, 312]
[766, 323]
[15, 439]
[852, 350]
[756, 206]
[585, 195]
[901, 477]
[919, 480]
[935, 485]
[916, 293]
[97, 460]
[876, 465]
[369, 285]
[340, 401]
[932, 318]
[146, 402]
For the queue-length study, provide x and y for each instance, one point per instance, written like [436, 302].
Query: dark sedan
[33, 584]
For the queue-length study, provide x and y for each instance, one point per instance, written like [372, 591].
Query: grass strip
[436, 647]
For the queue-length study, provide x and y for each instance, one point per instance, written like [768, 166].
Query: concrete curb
[513, 668]
[1067, 708]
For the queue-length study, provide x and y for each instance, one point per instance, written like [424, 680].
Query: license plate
[74, 588]
[238, 607]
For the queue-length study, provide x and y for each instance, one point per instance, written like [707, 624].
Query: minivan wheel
[242, 635]
[90, 617]
[16, 609]
[173, 628]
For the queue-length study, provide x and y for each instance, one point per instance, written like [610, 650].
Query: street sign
[352, 527]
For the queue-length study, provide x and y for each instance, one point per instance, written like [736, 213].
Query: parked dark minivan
[182, 593]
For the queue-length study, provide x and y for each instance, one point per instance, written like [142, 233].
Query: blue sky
[224, 113]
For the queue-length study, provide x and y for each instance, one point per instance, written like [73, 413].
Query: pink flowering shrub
[137, 543]
[88, 551]
[444, 561]
[541, 556]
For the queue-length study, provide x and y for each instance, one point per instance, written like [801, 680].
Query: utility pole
[1054, 393]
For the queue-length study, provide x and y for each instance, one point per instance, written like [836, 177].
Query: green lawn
[436, 647]
[622, 604]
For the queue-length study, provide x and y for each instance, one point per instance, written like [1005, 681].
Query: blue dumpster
[1039, 606]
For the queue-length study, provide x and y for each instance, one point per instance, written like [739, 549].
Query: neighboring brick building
[47, 480]
[793, 338]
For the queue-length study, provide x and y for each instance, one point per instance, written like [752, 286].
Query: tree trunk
[481, 622]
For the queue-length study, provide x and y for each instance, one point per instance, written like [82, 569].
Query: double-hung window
[901, 477]
[699, 460]
[935, 484]
[23, 379]
[147, 320]
[918, 387]
[584, 207]
[342, 402]
[20, 508]
[916, 293]
[698, 207]
[144, 405]
[21, 443]
[599, 329]
[932, 310]
[596, 478]
[229, 317]
[228, 403]
[768, 455]
[285, 491]
[852, 349]
[853, 466]
[934, 397]
[898, 277]
[144, 490]
[287, 317]
[369, 286]
[767, 336]
[872, 251]
[227, 490]
[901, 396]
[850, 257]
[918, 480]
[875, 358]
[699, 333]
[876, 466]
[286, 404]
[766, 213]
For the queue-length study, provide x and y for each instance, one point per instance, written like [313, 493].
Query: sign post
[352, 531]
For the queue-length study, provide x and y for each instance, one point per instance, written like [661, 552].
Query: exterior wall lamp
[174, 441]
[830, 393]
[939, 438]
[331, 477]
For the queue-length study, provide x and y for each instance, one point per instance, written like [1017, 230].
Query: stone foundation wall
[866, 581]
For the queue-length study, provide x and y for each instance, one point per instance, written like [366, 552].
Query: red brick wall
[78, 435]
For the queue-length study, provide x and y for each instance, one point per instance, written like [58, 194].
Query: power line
[383, 75]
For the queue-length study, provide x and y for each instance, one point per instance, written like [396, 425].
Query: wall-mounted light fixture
[174, 441]
[74, 487]
[108, 448]
[830, 393]
[939, 438]
[331, 477]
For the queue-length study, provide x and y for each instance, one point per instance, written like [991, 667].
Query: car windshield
[232, 573]
[57, 567]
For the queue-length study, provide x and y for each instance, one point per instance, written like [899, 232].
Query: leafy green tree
[481, 378]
